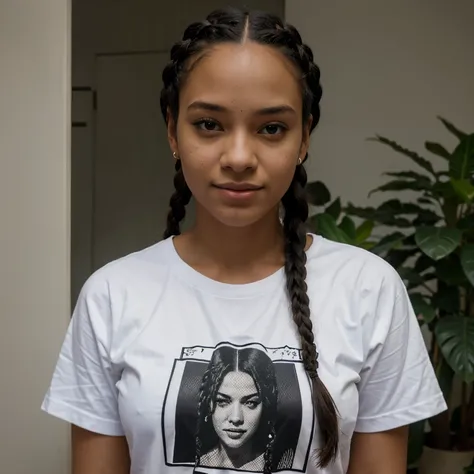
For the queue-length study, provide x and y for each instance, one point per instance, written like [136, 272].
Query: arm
[397, 387]
[98, 454]
[83, 391]
[379, 453]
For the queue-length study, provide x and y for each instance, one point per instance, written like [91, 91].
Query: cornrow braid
[178, 202]
[296, 213]
[238, 26]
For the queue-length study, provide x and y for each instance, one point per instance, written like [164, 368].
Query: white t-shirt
[190, 368]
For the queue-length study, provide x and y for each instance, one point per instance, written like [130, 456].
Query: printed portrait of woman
[237, 411]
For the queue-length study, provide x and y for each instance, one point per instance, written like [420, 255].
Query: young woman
[240, 99]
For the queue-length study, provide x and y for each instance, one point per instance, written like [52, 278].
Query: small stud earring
[175, 155]
[300, 160]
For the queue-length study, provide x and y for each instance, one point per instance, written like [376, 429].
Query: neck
[238, 457]
[234, 248]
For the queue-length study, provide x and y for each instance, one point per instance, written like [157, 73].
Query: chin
[238, 221]
[240, 217]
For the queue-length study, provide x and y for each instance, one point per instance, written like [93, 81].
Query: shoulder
[128, 274]
[351, 269]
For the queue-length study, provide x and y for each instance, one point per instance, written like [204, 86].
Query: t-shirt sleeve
[398, 385]
[83, 388]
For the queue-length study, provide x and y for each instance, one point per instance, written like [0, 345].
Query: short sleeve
[398, 385]
[83, 387]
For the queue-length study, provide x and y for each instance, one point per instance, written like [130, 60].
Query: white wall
[34, 235]
[388, 67]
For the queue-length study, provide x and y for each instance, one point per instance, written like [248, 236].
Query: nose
[239, 155]
[236, 415]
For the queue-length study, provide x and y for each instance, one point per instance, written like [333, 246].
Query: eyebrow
[274, 110]
[247, 397]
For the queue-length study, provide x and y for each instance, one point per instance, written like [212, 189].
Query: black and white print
[242, 408]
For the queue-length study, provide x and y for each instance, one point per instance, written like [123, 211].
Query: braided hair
[237, 26]
[259, 366]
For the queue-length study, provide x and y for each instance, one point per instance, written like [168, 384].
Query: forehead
[246, 75]
[238, 384]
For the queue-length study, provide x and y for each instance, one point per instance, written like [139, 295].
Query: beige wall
[388, 67]
[34, 228]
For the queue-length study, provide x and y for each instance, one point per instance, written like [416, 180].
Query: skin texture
[98, 454]
[238, 240]
[237, 414]
[224, 134]
[379, 453]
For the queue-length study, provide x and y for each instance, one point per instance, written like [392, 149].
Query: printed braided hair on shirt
[238, 26]
[238, 380]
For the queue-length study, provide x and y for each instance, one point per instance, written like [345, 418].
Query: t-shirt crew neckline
[201, 282]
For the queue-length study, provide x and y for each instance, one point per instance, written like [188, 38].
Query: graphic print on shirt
[242, 408]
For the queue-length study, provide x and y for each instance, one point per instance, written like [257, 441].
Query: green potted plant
[329, 220]
[430, 241]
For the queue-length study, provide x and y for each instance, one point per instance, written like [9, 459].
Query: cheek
[219, 415]
[253, 416]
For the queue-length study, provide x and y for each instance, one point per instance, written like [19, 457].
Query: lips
[238, 187]
[235, 433]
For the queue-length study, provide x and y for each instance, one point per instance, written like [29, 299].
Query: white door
[134, 168]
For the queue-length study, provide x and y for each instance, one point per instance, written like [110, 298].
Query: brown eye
[208, 125]
[273, 129]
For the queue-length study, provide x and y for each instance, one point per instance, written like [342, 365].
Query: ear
[172, 135]
[305, 141]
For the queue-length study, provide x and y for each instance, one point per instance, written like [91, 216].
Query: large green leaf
[388, 242]
[444, 189]
[450, 271]
[397, 257]
[426, 200]
[420, 161]
[423, 263]
[326, 226]
[438, 150]
[364, 231]
[334, 209]
[318, 194]
[348, 226]
[461, 165]
[384, 217]
[467, 261]
[464, 189]
[426, 217]
[454, 130]
[410, 276]
[396, 206]
[455, 336]
[409, 175]
[422, 307]
[438, 242]
[402, 185]
[466, 222]
[446, 298]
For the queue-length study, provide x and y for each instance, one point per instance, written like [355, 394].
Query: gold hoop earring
[175, 155]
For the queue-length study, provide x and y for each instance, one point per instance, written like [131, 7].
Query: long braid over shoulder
[238, 26]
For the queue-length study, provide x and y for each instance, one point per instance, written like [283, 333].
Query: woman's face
[238, 409]
[240, 131]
